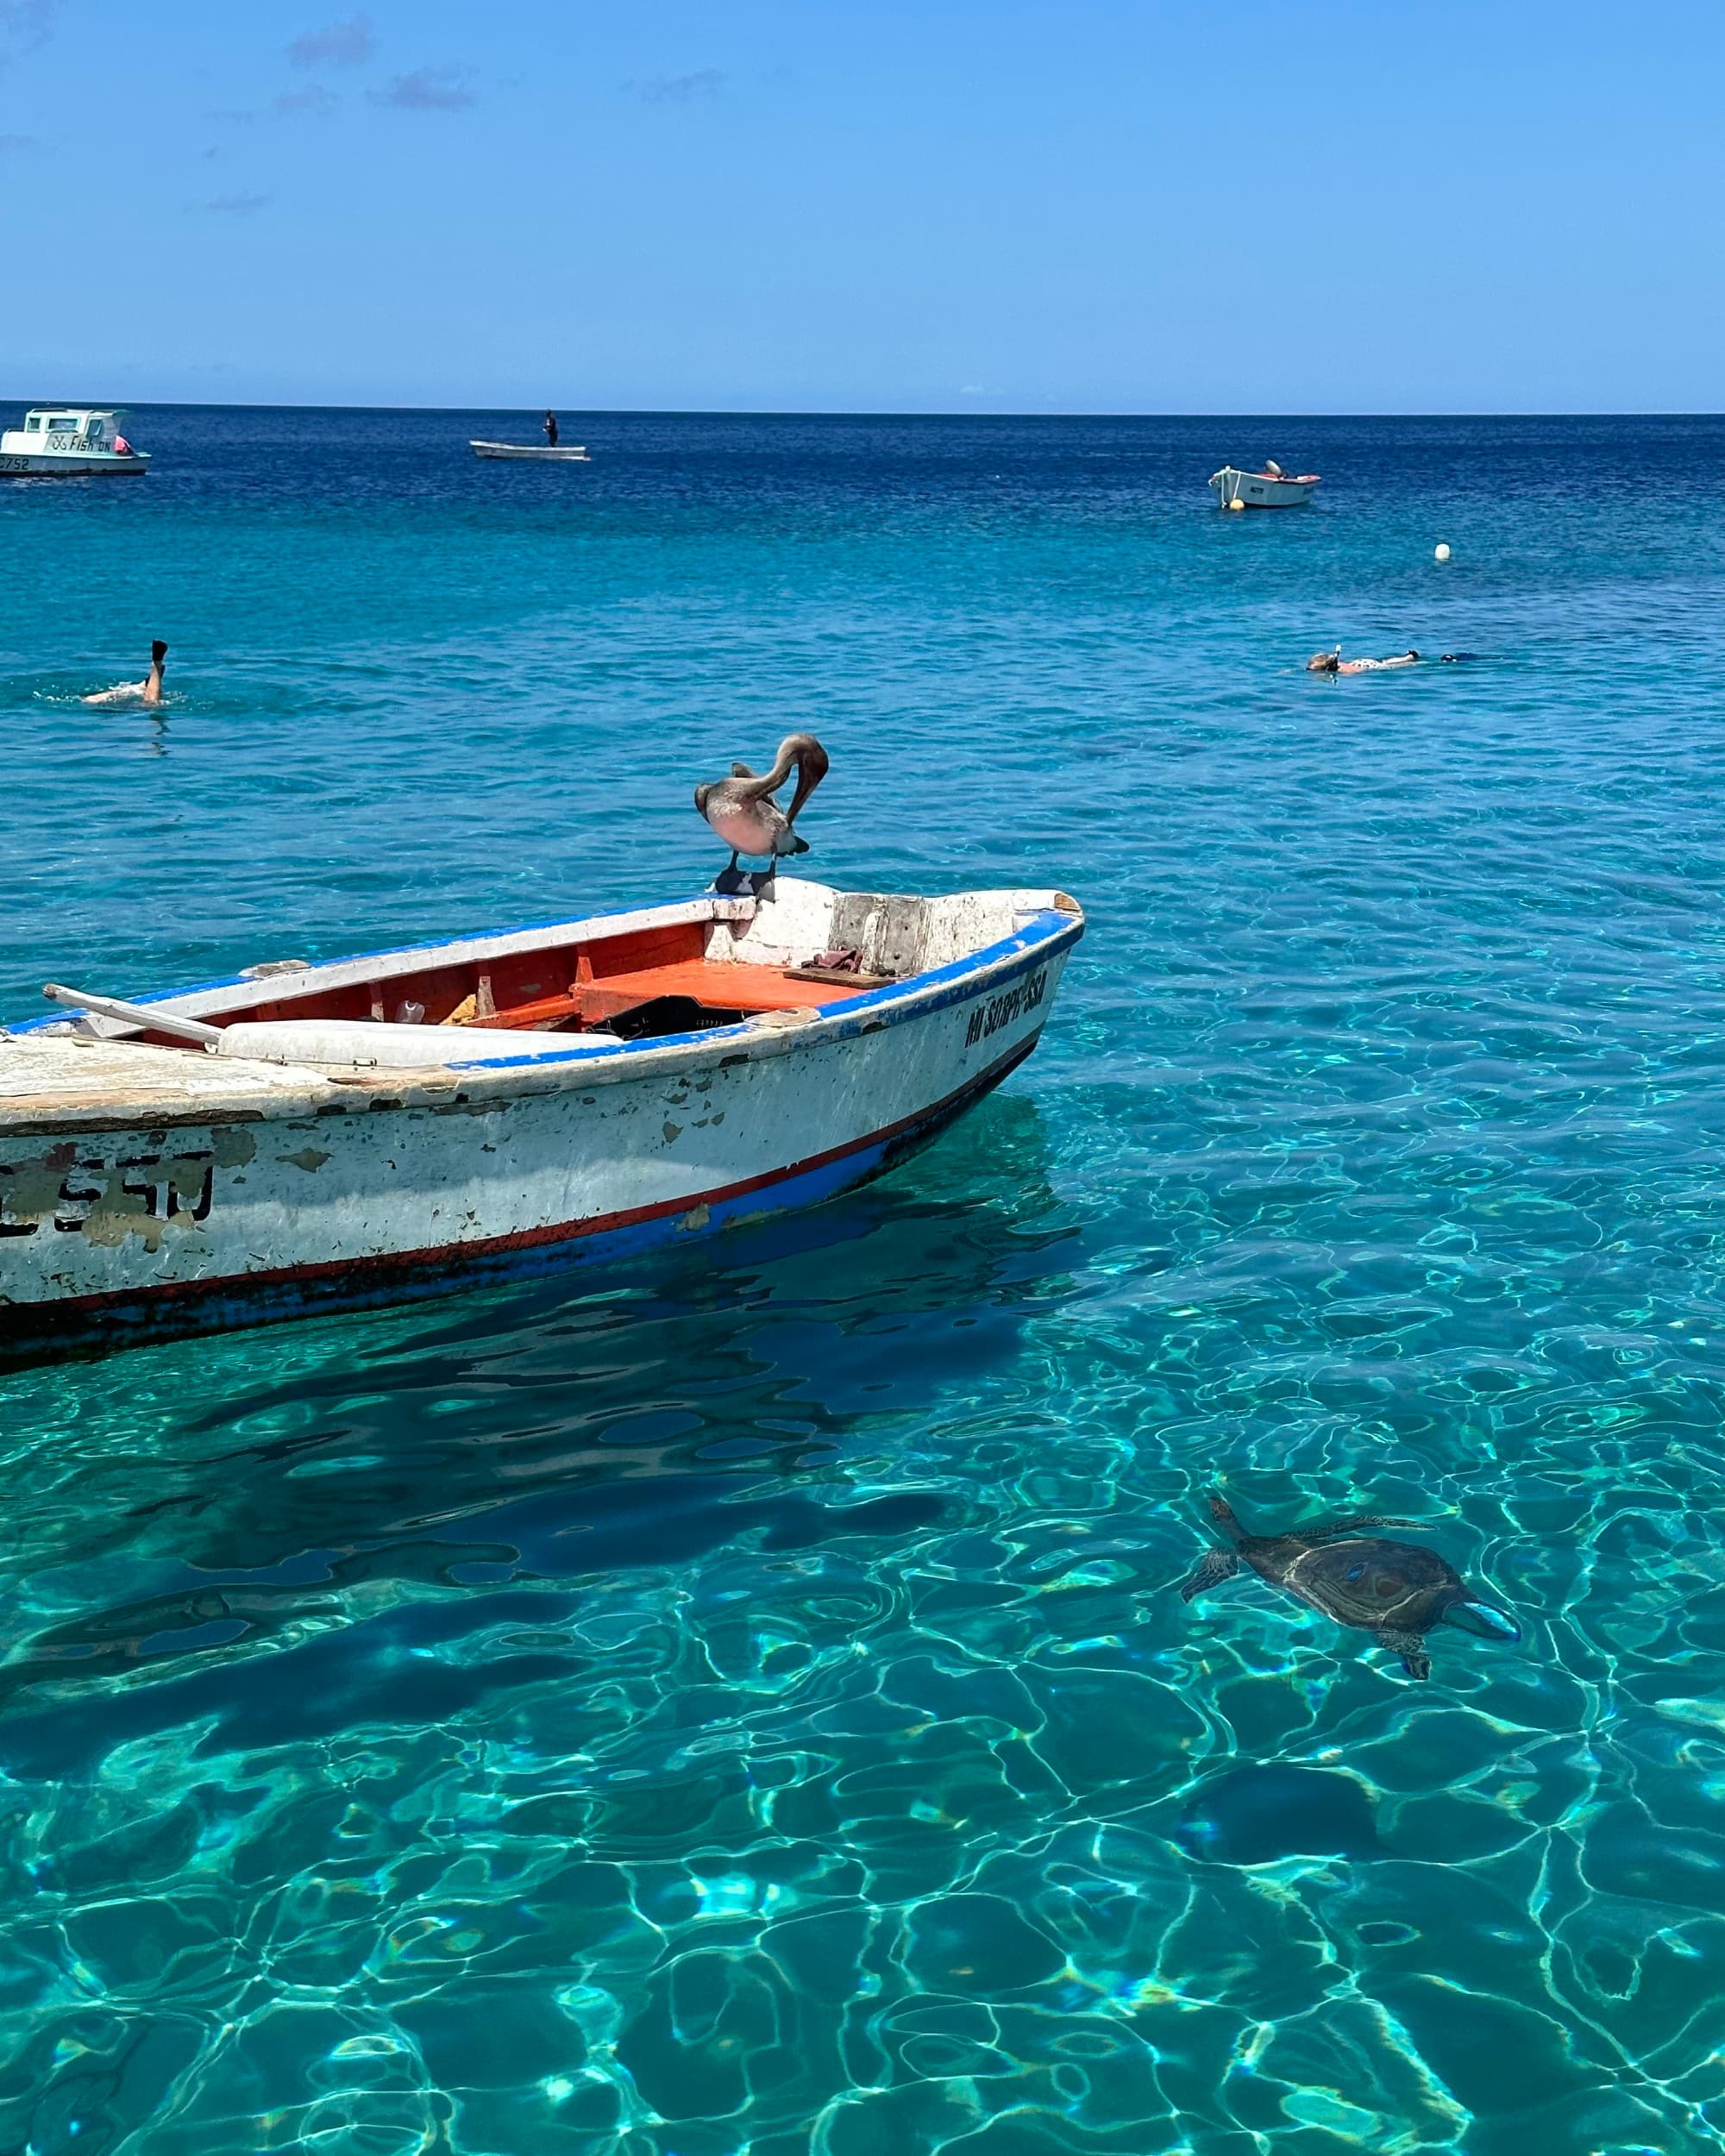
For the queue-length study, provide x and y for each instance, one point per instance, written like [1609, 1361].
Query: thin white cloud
[349, 44]
[429, 89]
[313, 98]
[25, 25]
[679, 90]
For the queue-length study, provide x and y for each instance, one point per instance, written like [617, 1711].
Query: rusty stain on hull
[309, 1158]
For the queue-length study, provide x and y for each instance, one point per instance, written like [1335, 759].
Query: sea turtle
[1393, 1590]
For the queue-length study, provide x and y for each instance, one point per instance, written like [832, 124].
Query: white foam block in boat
[362, 1044]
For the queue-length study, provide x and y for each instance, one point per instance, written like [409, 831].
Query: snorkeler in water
[1333, 662]
[148, 690]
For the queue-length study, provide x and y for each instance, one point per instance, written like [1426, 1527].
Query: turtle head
[1224, 1515]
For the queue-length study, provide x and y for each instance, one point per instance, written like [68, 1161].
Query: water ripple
[739, 1705]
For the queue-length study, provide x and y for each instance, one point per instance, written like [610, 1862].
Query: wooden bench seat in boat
[715, 984]
[721, 985]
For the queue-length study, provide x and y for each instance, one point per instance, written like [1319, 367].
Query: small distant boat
[539, 451]
[69, 441]
[1271, 488]
[366, 1130]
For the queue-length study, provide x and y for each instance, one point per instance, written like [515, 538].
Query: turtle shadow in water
[1394, 1590]
[1259, 1814]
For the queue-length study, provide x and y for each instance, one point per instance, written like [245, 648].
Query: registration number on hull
[139, 1194]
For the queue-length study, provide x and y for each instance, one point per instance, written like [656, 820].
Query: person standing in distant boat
[550, 430]
[148, 690]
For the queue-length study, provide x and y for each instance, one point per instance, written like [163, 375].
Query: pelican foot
[731, 880]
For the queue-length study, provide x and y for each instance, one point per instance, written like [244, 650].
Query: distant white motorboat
[1271, 488]
[69, 441]
[539, 451]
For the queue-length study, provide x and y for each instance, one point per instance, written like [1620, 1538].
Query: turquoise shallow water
[743, 1703]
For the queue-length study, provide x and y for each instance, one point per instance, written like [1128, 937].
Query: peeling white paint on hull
[233, 1191]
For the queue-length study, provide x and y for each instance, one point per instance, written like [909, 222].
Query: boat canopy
[68, 418]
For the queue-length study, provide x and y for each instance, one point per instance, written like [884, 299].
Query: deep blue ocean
[742, 1702]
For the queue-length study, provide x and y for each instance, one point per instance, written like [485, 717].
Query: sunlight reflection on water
[740, 1702]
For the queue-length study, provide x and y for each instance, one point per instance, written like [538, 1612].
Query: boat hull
[1255, 490]
[72, 465]
[178, 1310]
[527, 452]
[414, 1182]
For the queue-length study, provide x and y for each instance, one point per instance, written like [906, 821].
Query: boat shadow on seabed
[542, 1436]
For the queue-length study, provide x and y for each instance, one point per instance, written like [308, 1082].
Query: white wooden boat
[1271, 488]
[409, 1122]
[69, 441]
[539, 452]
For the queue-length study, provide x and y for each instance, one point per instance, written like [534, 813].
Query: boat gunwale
[1270, 479]
[916, 995]
[1044, 933]
[502, 942]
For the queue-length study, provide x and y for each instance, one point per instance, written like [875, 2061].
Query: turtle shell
[1374, 1584]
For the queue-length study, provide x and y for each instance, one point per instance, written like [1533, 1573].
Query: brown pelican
[742, 810]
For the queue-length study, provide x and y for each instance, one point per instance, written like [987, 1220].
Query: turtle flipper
[1214, 1568]
[1484, 1619]
[1327, 1530]
[1411, 1647]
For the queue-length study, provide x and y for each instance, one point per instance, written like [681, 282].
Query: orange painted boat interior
[571, 989]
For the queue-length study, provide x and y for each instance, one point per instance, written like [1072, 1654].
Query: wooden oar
[158, 1020]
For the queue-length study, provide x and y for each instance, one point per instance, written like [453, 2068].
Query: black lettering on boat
[201, 1197]
[71, 1195]
[136, 1186]
[1012, 1003]
[15, 1196]
[174, 1187]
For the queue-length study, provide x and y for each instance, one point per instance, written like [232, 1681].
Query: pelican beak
[812, 767]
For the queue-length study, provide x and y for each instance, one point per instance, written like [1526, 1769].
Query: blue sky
[1179, 205]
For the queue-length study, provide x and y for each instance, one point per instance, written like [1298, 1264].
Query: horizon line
[736, 411]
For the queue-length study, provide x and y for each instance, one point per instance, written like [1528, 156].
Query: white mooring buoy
[1442, 550]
